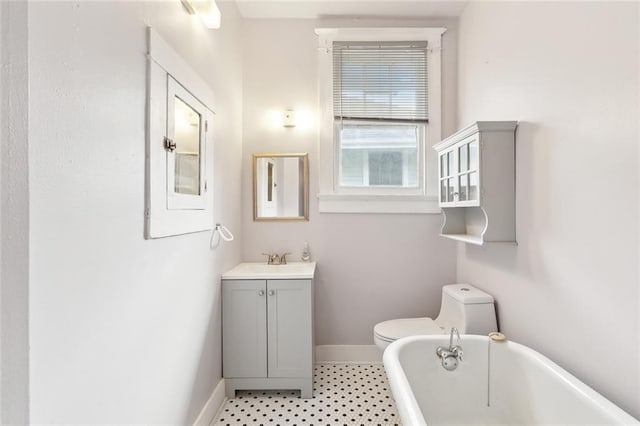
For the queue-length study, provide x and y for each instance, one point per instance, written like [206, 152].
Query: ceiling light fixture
[207, 10]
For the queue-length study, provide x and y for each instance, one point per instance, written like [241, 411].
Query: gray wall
[14, 214]
[569, 73]
[371, 267]
[122, 330]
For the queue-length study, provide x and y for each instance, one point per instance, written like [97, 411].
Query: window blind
[380, 81]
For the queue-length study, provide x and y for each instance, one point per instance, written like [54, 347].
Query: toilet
[463, 306]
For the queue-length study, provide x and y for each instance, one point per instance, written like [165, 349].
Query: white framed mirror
[280, 186]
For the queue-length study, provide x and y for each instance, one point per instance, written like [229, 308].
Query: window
[380, 108]
[380, 96]
[383, 155]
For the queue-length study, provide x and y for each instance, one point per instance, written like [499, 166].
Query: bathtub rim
[410, 412]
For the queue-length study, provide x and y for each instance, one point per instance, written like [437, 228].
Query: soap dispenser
[306, 253]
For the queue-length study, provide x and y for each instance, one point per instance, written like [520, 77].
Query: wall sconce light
[289, 118]
[207, 10]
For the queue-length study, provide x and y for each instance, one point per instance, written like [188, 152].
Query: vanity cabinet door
[244, 319]
[290, 327]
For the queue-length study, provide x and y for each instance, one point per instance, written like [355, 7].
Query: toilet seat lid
[403, 327]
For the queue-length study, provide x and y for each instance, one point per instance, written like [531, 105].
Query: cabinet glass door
[473, 192]
[185, 148]
[459, 175]
[447, 179]
[467, 171]
[462, 187]
[463, 167]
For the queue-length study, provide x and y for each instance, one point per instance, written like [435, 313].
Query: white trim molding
[330, 199]
[212, 406]
[339, 203]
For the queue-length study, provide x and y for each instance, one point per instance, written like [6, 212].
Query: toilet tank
[467, 308]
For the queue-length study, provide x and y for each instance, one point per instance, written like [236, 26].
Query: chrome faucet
[276, 259]
[272, 258]
[453, 354]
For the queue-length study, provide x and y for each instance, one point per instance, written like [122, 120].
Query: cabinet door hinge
[206, 125]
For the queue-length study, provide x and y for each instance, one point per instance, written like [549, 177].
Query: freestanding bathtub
[496, 383]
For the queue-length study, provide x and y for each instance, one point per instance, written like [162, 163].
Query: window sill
[395, 204]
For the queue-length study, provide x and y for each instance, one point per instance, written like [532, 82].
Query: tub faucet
[453, 354]
[453, 330]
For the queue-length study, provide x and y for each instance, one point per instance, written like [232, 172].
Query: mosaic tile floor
[343, 394]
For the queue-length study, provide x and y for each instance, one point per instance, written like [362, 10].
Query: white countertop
[262, 271]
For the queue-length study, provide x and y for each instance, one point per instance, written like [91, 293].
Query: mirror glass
[187, 138]
[280, 187]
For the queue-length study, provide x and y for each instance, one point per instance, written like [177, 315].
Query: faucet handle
[457, 352]
[269, 258]
[283, 258]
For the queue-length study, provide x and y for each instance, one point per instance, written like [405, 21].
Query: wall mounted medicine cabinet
[476, 173]
[179, 169]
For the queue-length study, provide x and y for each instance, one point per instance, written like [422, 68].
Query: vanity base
[304, 384]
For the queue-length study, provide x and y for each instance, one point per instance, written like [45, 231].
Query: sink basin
[261, 271]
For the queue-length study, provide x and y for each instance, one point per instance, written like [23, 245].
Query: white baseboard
[210, 409]
[349, 354]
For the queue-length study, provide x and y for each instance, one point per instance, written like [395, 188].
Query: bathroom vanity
[267, 327]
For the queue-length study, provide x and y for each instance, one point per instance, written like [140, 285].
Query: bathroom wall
[14, 215]
[122, 329]
[371, 267]
[568, 72]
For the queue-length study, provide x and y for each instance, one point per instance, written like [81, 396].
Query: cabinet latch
[169, 144]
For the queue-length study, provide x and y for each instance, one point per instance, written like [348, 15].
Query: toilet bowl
[463, 306]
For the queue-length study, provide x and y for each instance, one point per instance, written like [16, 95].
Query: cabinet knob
[261, 293]
[271, 292]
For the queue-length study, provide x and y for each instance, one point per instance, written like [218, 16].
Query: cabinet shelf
[465, 238]
[476, 170]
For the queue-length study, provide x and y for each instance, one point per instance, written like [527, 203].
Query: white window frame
[336, 199]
